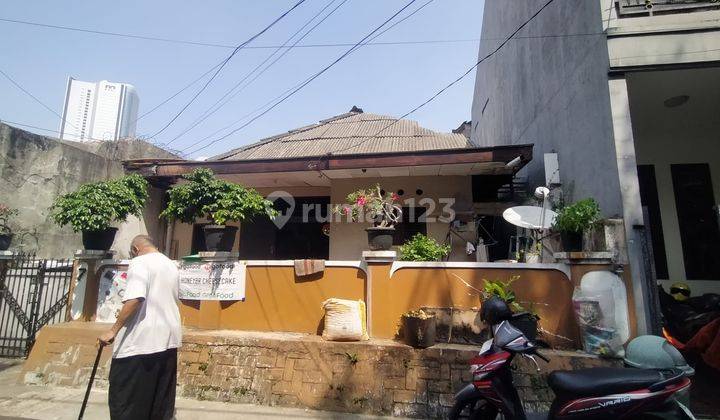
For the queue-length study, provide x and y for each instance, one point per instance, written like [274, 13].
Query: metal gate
[33, 293]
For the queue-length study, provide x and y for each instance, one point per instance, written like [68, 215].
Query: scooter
[595, 393]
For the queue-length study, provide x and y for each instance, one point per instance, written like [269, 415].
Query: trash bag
[345, 320]
[595, 313]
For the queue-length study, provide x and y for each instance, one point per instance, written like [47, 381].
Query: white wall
[686, 134]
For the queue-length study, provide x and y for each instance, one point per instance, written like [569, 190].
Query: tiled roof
[352, 133]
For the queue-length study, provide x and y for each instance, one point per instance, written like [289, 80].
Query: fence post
[36, 296]
[92, 280]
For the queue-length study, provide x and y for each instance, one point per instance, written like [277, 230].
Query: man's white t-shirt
[155, 327]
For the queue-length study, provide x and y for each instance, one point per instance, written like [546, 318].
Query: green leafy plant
[6, 214]
[92, 207]
[423, 248]
[352, 358]
[206, 196]
[578, 216]
[503, 290]
[371, 203]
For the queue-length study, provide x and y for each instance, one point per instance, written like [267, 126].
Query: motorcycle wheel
[478, 409]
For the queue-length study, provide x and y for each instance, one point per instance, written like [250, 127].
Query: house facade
[449, 189]
[624, 96]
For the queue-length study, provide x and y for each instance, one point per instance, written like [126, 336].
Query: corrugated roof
[352, 133]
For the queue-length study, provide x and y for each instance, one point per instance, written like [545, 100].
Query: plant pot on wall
[571, 241]
[5, 240]
[527, 323]
[219, 238]
[380, 238]
[419, 332]
[100, 240]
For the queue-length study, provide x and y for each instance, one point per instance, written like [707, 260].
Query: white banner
[212, 280]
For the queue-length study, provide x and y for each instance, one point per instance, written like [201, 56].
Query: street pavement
[44, 402]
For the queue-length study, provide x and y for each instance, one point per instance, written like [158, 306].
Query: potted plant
[93, 207]
[573, 220]
[6, 235]
[206, 196]
[419, 328]
[423, 248]
[378, 208]
[525, 321]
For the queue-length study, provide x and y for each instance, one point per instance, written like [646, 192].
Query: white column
[630, 191]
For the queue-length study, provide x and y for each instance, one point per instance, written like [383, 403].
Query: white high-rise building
[99, 111]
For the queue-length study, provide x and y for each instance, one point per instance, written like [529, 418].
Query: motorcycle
[594, 393]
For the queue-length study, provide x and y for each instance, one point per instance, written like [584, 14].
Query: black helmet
[495, 310]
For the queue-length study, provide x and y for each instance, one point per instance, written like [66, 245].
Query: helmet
[680, 291]
[653, 352]
[495, 310]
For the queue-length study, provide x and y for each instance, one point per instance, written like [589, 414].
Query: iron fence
[33, 293]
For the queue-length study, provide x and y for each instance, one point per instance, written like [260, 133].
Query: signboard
[112, 287]
[212, 280]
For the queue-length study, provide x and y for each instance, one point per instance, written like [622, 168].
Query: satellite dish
[530, 217]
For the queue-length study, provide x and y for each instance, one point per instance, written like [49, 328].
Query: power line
[17, 85]
[454, 82]
[265, 47]
[210, 111]
[282, 55]
[222, 65]
[307, 81]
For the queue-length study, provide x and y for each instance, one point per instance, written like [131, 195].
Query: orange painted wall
[416, 287]
[277, 300]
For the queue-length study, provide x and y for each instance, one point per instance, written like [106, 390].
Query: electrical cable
[224, 62]
[305, 83]
[454, 82]
[210, 111]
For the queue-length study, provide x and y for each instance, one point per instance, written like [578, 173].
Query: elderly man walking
[147, 334]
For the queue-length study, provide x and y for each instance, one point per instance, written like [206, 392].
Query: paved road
[40, 402]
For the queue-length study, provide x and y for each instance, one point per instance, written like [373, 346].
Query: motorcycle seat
[594, 382]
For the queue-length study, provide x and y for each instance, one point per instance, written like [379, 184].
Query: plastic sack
[344, 320]
[595, 314]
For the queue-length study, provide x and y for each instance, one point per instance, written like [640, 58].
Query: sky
[381, 79]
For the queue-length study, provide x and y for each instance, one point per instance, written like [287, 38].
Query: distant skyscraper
[99, 111]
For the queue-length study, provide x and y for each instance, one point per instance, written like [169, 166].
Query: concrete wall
[550, 87]
[34, 170]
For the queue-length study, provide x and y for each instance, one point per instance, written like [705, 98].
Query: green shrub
[503, 290]
[422, 248]
[578, 216]
[92, 207]
[206, 196]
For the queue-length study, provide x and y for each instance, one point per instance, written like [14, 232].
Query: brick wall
[380, 377]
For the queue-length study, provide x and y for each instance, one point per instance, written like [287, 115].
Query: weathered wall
[36, 169]
[277, 300]
[549, 87]
[296, 370]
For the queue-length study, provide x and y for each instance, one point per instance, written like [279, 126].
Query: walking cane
[90, 382]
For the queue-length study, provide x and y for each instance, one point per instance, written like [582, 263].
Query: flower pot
[419, 332]
[380, 238]
[219, 238]
[571, 241]
[100, 240]
[5, 240]
[527, 323]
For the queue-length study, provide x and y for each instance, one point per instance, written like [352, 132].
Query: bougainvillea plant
[372, 205]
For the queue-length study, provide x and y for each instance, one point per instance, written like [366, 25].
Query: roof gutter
[498, 154]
